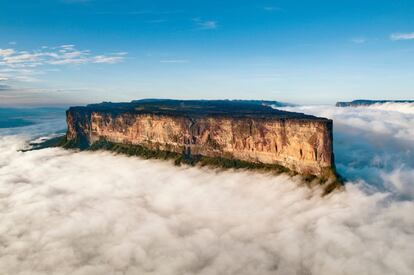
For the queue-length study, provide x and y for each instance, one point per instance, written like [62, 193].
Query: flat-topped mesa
[235, 130]
[367, 102]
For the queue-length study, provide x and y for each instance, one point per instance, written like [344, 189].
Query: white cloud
[402, 36]
[156, 21]
[370, 141]
[4, 75]
[65, 54]
[68, 46]
[19, 74]
[107, 59]
[53, 56]
[25, 78]
[358, 40]
[68, 61]
[407, 108]
[206, 24]
[23, 57]
[6, 52]
[272, 8]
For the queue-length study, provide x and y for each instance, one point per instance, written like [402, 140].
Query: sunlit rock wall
[302, 145]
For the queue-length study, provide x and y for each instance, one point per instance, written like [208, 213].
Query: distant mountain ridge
[366, 102]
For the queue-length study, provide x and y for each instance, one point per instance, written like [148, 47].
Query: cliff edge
[246, 131]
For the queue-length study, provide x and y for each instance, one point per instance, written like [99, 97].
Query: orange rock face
[300, 144]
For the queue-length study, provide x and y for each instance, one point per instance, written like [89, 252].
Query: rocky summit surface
[249, 131]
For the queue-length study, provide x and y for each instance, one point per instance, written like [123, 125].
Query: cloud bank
[97, 213]
[407, 108]
[373, 141]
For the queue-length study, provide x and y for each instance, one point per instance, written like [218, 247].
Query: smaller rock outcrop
[365, 102]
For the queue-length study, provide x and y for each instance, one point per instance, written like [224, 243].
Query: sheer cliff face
[302, 145]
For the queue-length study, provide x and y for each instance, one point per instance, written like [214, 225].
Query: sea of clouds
[65, 212]
[407, 108]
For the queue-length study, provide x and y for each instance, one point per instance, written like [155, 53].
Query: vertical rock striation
[226, 129]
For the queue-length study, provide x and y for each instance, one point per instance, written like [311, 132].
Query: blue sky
[310, 52]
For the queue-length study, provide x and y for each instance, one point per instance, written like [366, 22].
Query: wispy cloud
[64, 54]
[272, 8]
[157, 21]
[6, 52]
[24, 65]
[402, 36]
[107, 59]
[19, 74]
[358, 40]
[206, 24]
